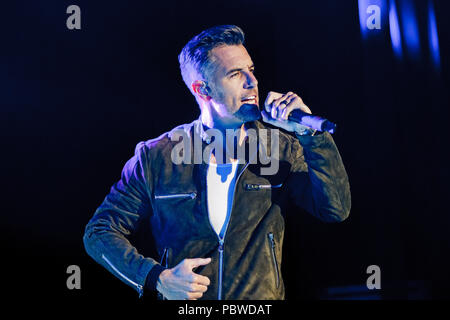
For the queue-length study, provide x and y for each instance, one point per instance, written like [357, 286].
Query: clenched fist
[181, 283]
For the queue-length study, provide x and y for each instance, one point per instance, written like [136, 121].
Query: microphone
[314, 122]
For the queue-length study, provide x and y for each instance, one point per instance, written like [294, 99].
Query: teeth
[249, 98]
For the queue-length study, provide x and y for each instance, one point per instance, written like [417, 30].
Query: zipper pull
[221, 245]
[275, 263]
[193, 195]
[252, 186]
[140, 291]
[272, 241]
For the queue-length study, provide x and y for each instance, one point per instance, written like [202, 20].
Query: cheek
[228, 95]
[223, 94]
[218, 93]
[233, 95]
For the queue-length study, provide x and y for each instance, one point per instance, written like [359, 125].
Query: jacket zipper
[139, 287]
[274, 257]
[164, 259]
[249, 186]
[219, 290]
[222, 240]
[191, 195]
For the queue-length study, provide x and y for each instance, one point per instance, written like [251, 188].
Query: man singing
[218, 223]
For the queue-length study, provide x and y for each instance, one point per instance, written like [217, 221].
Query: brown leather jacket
[169, 200]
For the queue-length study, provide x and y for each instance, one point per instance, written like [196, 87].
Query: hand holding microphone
[290, 113]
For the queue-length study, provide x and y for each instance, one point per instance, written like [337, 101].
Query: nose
[251, 82]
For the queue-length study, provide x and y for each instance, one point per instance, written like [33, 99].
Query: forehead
[230, 57]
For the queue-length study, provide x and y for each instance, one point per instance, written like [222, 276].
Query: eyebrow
[238, 69]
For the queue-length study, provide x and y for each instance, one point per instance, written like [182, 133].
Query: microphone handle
[314, 122]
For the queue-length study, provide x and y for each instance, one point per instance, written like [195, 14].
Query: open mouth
[249, 100]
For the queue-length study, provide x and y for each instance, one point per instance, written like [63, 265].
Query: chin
[248, 112]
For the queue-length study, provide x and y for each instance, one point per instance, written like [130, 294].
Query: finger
[283, 111]
[197, 288]
[287, 111]
[271, 96]
[278, 112]
[280, 104]
[273, 113]
[305, 108]
[199, 279]
[196, 262]
[194, 295]
[298, 101]
[285, 97]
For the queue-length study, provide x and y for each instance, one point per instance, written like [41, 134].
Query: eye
[233, 75]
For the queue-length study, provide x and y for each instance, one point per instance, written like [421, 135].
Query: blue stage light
[410, 28]
[394, 28]
[433, 37]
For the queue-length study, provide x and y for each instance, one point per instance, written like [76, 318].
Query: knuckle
[203, 280]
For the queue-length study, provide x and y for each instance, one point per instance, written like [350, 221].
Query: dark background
[74, 103]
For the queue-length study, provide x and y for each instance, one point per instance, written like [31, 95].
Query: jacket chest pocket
[167, 202]
[171, 196]
[172, 207]
[172, 204]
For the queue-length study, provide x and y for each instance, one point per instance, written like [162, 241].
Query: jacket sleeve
[318, 181]
[106, 234]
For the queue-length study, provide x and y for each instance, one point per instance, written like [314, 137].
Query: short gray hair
[195, 57]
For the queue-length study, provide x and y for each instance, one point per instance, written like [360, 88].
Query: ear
[201, 89]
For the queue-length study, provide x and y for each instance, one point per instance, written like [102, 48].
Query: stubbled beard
[248, 112]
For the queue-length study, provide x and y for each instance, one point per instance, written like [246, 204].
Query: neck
[217, 123]
[222, 126]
